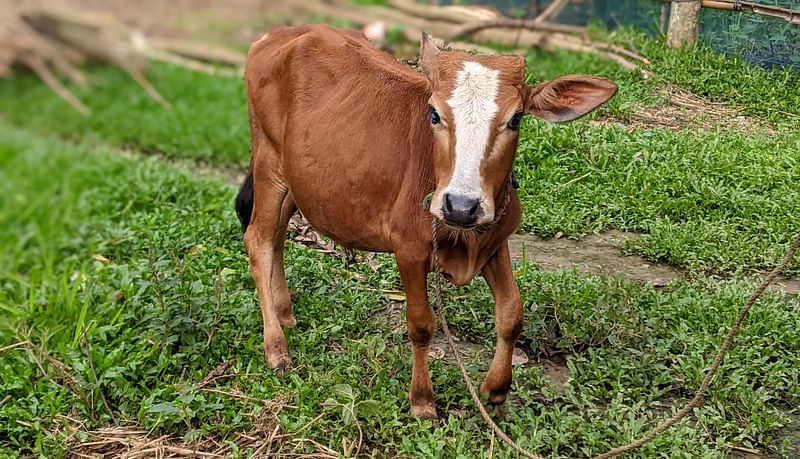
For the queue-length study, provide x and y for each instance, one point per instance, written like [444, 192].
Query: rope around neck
[664, 426]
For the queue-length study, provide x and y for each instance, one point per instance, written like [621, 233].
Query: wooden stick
[620, 50]
[552, 10]
[37, 64]
[528, 24]
[450, 15]
[138, 76]
[14, 346]
[196, 51]
[191, 64]
[569, 43]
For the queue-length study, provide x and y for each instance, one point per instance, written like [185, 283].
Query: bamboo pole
[792, 16]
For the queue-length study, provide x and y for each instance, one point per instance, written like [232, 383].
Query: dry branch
[554, 9]
[54, 42]
[197, 51]
[396, 14]
[621, 51]
[533, 34]
[451, 14]
[265, 436]
[528, 24]
[40, 68]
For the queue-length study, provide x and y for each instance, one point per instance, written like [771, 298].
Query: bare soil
[602, 255]
[595, 254]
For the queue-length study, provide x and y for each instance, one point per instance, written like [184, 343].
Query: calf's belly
[344, 220]
[346, 184]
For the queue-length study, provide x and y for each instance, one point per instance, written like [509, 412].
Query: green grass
[207, 119]
[773, 95]
[175, 299]
[707, 200]
[769, 95]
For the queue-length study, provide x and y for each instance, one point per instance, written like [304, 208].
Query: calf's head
[475, 109]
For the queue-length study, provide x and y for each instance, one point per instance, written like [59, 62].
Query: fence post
[684, 23]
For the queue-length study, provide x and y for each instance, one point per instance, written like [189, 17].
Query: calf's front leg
[421, 324]
[508, 323]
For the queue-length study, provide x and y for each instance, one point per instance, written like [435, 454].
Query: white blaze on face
[473, 105]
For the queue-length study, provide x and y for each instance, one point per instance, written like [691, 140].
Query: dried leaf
[197, 248]
[395, 295]
[226, 272]
[101, 259]
[436, 352]
[519, 357]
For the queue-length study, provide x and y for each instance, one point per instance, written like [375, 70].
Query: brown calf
[356, 141]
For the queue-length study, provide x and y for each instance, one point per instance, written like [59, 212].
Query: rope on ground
[726, 345]
[694, 403]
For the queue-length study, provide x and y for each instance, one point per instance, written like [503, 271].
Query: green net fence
[765, 41]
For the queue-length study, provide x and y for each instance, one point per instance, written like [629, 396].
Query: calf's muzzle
[461, 210]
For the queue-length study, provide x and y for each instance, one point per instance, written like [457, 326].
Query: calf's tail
[244, 201]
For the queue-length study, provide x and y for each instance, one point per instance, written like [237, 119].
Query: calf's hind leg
[264, 238]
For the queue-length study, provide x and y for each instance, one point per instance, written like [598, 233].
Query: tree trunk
[684, 23]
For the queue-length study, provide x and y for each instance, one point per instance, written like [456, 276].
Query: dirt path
[596, 254]
[602, 255]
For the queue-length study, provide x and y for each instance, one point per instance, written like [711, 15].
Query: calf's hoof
[281, 364]
[422, 412]
[493, 397]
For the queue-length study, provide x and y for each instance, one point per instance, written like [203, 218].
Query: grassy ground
[131, 275]
[207, 120]
[124, 283]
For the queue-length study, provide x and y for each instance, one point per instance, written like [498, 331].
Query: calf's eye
[513, 124]
[435, 119]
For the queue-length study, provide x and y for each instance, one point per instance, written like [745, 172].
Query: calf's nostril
[474, 209]
[448, 203]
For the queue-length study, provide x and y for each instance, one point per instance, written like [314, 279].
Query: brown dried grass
[683, 109]
[265, 438]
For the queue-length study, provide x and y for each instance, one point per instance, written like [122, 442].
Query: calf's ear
[428, 58]
[567, 98]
